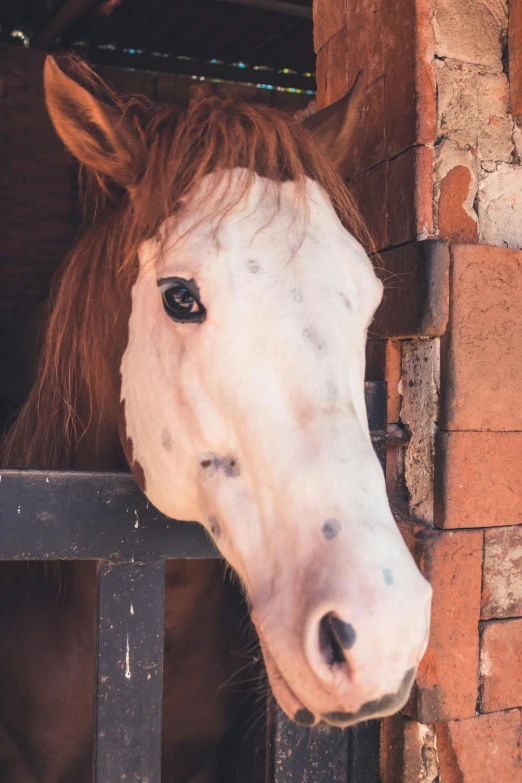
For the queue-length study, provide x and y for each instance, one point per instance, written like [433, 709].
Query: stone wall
[437, 174]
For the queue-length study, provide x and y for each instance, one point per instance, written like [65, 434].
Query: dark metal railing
[56, 515]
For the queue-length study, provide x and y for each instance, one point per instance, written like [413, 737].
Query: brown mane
[176, 152]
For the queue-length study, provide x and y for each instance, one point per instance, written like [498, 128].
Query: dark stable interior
[258, 51]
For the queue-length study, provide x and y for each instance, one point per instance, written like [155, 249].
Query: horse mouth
[284, 695]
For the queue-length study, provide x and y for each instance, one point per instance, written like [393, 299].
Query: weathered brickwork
[482, 349]
[438, 155]
[446, 686]
[501, 665]
[502, 575]
[485, 749]
[478, 481]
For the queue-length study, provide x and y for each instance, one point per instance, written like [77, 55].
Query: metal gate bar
[130, 671]
[57, 515]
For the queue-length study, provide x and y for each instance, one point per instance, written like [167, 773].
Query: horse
[208, 333]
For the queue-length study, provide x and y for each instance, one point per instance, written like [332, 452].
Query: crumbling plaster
[474, 126]
[419, 387]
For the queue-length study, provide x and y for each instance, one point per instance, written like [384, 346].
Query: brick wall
[436, 171]
[39, 211]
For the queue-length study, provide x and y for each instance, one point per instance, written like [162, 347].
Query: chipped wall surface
[419, 412]
[475, 129]
[430, 761]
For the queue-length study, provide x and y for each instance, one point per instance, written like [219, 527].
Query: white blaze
[272, 383]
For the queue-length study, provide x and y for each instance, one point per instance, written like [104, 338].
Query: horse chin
[283, 694]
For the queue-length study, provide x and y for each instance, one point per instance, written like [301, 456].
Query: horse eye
[181, 302]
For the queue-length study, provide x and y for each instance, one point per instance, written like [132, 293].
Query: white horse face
[243, 386]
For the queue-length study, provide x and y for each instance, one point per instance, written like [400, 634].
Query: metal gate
[56, 515]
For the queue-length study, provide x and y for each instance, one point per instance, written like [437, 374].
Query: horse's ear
[99, 135]
[334, 126]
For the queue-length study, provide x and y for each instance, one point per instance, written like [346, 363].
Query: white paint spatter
[127, 661]
[137, 523]
[18, 509]
[132, 610]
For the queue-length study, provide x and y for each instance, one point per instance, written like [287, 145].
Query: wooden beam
[276, 6]
[69, 12]
[182, 67]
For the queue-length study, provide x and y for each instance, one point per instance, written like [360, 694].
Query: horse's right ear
[99, 135]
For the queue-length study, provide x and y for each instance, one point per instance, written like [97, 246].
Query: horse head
[242, 379]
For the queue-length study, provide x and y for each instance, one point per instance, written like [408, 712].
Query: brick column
[436, 173]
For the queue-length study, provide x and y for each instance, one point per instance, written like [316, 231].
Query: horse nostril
[335, 636]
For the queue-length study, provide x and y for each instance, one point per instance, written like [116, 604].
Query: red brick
[502, 573]
[501, 665]
[399, 46]
[393, 378]
[482, 351]
[515, 56]
[370, 191]
[321, 64]
[478, 479]
[446, 685]
[485, 749]
[402, 218]
[333, 66]
[454, 222]
[391, 755]
[425, 73]
[365, 22]
[329, 18]
[395, 197]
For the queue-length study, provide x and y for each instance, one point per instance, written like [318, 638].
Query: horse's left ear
[99, 135]
[335, 125]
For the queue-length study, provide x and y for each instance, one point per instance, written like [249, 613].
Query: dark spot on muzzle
[314, 339]
[213, 463]
[346, 301]
[332, 391]
[215, 527]
[304, 717]
[331, 528]
[253, 265]
[230, 467]
[391, 702]
[166, 440]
